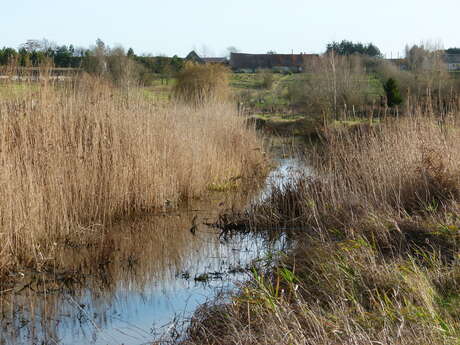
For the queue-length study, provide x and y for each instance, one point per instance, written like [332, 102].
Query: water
[138, 282]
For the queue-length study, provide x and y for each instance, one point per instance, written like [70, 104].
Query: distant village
[243, 62]
[68, 60]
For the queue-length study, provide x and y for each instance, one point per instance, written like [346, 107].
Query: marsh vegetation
[87, 153]
[95, 167]
[375, 253]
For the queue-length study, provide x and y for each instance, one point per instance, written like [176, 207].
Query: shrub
[330, 84]
[266, 79]
[392, 92]
[197, 84]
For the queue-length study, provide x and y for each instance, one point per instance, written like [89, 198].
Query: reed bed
[376, 253]
[407, 168]
[86, 153]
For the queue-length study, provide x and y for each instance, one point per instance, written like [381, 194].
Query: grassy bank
[377, 258]
[87, 153]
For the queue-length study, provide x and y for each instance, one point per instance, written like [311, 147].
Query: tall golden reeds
[87, 154]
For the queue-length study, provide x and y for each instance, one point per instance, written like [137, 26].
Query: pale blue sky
[256, 26]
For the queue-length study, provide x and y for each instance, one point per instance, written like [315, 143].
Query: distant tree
[205, 51]
[24, 58]
[95, 60]
[231, 50]
[63, 57]
[372, 50]
[177, 63]
[266, 79]
[7, 55]
[416, 56]
[425, 57]
[271, 52]
[349, 48]
[46, 45]
[37, 58]
[130, 52]
[32, 45]
[392, 92]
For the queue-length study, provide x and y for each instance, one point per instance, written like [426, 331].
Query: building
[194, 57]
[218, 60]
[452, 61]
[401, 63]
[282, 62]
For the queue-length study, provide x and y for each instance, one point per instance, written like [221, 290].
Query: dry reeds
[401, 168]
[196, 84]
[89, 154]
[375, 259]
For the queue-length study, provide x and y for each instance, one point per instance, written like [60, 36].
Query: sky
[211, 26]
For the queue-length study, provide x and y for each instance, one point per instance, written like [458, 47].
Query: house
[400, 63]
[194, 57]
[282, 62]
[452, 61]
[221, 60]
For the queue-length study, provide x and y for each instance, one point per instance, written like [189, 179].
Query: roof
[193, 56]
[214, 59]
[253, 61]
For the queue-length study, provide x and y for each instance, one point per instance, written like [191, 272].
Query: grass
[270, 107]
[12, 90]
[83, 154]
[375, 255]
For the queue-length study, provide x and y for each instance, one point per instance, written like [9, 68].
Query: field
[271, 105]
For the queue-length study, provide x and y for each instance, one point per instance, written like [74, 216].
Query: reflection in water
[288, 170]
[129, 283]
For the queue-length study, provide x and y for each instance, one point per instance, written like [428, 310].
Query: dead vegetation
[197, 83]
[376, 253]
[84, 153]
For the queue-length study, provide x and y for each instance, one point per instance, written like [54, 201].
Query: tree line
[33, 53]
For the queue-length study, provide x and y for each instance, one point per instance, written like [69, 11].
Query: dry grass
[339, 294]
[404, 168]
[84, 154]
[377, 261]
[196, 84]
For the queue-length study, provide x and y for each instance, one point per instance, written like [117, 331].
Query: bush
[266, 79]
[330, 84]
[197, 84]
[392, 92]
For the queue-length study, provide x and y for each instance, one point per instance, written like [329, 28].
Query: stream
[140, 282]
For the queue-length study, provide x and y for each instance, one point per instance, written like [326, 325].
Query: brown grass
[84, 154]
[405, 167]
[376, 261]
